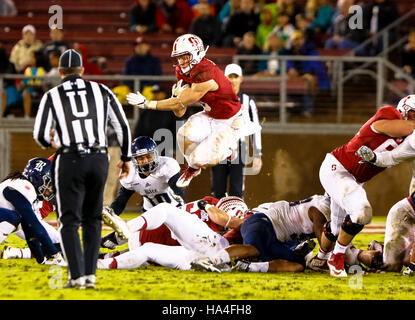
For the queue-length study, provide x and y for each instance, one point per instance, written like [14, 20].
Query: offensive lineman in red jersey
[209, 136]
[342, 175]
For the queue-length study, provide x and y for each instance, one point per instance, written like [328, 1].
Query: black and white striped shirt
[79, 111]
[250, 113]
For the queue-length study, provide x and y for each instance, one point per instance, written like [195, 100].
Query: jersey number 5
[388, 145]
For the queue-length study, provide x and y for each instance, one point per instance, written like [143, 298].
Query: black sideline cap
[70, 59]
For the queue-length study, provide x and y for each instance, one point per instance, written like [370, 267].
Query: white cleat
[116, 223]
[57, 259]
[204, 264]
[336, 265]
[11, 253]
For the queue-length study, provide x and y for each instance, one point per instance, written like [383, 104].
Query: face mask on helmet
[233, 206]
[37, 171]
[405, 105]
[192, 45]
[145, 155]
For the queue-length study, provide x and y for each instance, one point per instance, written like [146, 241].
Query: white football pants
[347, 196]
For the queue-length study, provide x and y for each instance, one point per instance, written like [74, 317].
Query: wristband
[229, 220]
[374, 158]
[152, 105]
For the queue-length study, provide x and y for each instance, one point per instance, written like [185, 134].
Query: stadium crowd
[271, 28]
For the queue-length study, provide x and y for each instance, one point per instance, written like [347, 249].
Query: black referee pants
[79, 183]
[221, 174]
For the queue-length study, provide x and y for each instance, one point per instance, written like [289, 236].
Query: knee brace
[350, 227]
[327, 232]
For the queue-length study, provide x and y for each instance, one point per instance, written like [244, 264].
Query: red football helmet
[233, 206]
[192, 45]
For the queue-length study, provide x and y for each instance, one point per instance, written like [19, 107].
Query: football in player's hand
[202, 204]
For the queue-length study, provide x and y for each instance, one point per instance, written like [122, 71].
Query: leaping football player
[342, 175]
[209, 136]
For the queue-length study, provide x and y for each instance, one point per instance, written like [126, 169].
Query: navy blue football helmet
[143, 146]
[37, 171]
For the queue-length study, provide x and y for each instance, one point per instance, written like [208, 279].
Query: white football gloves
[138, 100]
[178, 88]
[366, 154]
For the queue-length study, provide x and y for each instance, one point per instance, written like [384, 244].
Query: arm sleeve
[405, 151]
[21, 204]
[43, 122]
[172, 184]
[121, 200]
[120, 124]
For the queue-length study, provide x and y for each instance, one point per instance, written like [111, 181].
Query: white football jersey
[291, 218]
[21, 185]
[155, 188]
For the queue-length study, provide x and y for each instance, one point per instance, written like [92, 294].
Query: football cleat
[204, 264]
[304, 248]
[56, 259]
[116, 223]
[242, 266]
[90, 281]
[336, 265]
[11, 253]
[75, 284]
[408, 272]
[187, 176]
[318, 264]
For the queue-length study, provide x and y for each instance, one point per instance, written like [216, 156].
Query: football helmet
[233, 206]
[38, 172]
[406, 104]
[192, 45]
[142, 146]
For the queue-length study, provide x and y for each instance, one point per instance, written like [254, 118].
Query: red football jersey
[162, 234]
[220, 104]
[369, 137]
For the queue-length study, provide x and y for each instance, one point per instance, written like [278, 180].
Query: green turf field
[25, 279]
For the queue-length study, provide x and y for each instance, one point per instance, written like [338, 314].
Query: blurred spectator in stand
[408, 55]
[248, 47]
[52, 77]
[314, 72]
[20, 54]
[89, 67]
[301, 24]
[150, 121]
[219, 4]
[239, 23]
[320, 12]
[268, 22]
[143, 16]
[284, 29]
[7, 8]
[56, 43]
[206, 26]
[173, 16]
[273, 47]
[32, 89]
[11, 96]
[289, 7]
[196, 8]
[228, 9]
[344, 37]
[142, 62]
[381, 13]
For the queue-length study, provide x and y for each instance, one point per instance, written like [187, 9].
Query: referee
[73, 116]
[233, 171]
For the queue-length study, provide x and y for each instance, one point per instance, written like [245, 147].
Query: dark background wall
[290, 171]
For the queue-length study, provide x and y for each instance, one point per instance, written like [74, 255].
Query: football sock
[322, 254]
[5, 229]
[339, 248]
[258, 267]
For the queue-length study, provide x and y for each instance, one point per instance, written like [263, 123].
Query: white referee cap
[233, 68]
